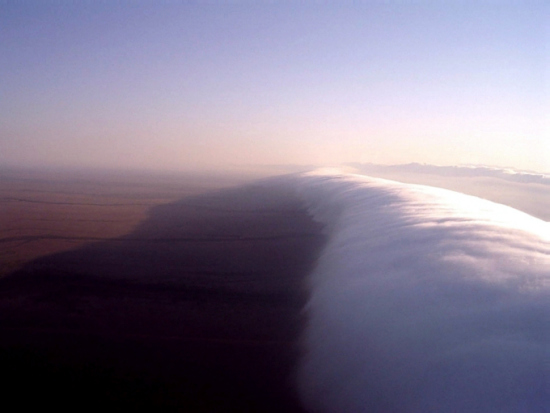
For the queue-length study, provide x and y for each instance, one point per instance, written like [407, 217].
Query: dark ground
[198, 309]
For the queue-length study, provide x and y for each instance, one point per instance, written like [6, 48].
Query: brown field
[43, 212]
[183, 293]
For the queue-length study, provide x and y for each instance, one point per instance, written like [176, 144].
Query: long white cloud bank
[424, 300]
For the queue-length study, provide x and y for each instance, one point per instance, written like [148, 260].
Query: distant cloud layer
[424, 300]
[508, 174]
[524, 190]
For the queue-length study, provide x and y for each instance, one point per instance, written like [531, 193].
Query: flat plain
[176, 292]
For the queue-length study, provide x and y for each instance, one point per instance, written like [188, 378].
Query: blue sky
[183, 85]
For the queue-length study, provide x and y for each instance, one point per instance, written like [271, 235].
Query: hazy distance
[225, 85]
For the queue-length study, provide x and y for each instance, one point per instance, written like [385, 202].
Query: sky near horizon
[184, 85]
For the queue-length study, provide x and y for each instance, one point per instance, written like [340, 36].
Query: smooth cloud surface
[424, 300]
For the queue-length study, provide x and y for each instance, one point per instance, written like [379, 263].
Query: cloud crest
[424, 300]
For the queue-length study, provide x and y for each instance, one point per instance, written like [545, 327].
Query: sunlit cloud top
[423, 300]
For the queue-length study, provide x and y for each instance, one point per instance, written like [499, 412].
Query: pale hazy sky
[177, 85]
